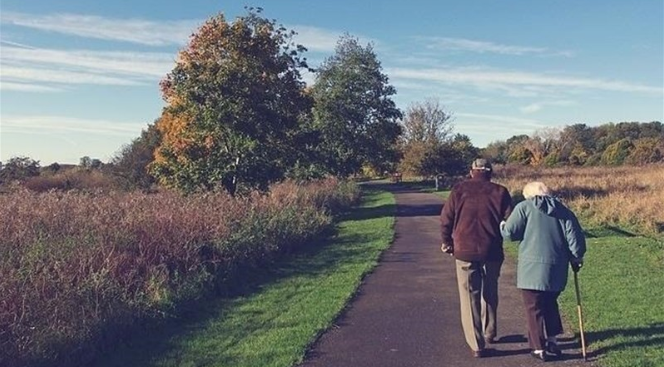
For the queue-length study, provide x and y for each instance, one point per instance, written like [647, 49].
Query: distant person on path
[470, 228]
[551, 238]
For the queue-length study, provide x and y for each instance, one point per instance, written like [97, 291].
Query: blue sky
[80, 78]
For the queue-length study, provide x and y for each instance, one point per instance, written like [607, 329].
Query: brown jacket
[470, 220]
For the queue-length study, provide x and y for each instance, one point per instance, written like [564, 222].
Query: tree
[543, 143]
[19, 168]
[353, 110]
[517, 151]
[576, 143]
[53, 167]
[496, 151]
[646, 150]
[427, 122]
[426, 127]
[235, 100]
[616, 153]
[85, 162]
[132, 161]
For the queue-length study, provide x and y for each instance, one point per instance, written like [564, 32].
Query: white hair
[535, 188]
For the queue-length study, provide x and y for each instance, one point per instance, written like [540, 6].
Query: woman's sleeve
[576, 240]
[516, 224]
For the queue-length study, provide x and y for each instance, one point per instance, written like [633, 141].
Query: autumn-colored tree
[354, 112]
[235, 100]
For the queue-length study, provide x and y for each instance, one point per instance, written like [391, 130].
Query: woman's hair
[535, 188]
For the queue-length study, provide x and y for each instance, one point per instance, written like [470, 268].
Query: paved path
[406, 313]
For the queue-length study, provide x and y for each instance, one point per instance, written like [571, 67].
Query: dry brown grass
[75, 267]
[627, 197]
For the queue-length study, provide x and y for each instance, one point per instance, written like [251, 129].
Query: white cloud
[316, 39]
[529, 83]
[58, 124]
[480, 120]
[23, 87]
[531, 108]
[535, 107]
[484, 128]
[149, 64]
[51, 75]
[139, 31]
[15, 44]
[463, 44]
[27, 69]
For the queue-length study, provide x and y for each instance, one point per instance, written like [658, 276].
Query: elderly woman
[550, 238]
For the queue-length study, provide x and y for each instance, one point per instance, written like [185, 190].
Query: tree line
[632, 143]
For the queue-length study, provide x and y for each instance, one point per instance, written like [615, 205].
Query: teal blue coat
[550, 236]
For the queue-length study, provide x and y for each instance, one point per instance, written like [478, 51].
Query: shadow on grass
[381, 211]
[149, 342]
[573, 192]
[608, 231]
[649, 336]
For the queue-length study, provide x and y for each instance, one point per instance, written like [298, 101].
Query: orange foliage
[174, 129]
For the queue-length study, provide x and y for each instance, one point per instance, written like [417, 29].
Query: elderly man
[470, 228]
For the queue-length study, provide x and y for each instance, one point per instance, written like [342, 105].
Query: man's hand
[502, 225]
[576, 264]
[447, 249]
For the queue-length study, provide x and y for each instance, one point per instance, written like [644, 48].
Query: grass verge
[622, 299]
[282, 310]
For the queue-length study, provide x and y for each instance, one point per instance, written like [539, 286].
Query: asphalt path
[406, 312]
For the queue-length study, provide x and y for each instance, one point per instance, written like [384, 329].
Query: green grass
[285, 308]
[622, 298]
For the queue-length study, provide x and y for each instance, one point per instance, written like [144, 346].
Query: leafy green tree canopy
[353, 110]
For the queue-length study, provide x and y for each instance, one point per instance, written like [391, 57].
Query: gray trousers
[478, 296]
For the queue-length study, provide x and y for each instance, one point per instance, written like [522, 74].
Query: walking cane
[578, 308]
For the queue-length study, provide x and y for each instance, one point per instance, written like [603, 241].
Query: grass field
[622, 300]
[286, 308]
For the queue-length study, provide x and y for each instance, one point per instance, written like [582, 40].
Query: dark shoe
[540, 355]
[552, 348]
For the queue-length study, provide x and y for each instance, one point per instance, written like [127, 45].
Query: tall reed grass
[77, 269]
[631, 198]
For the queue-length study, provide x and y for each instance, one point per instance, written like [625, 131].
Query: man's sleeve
[506, 203]
[447, 220]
